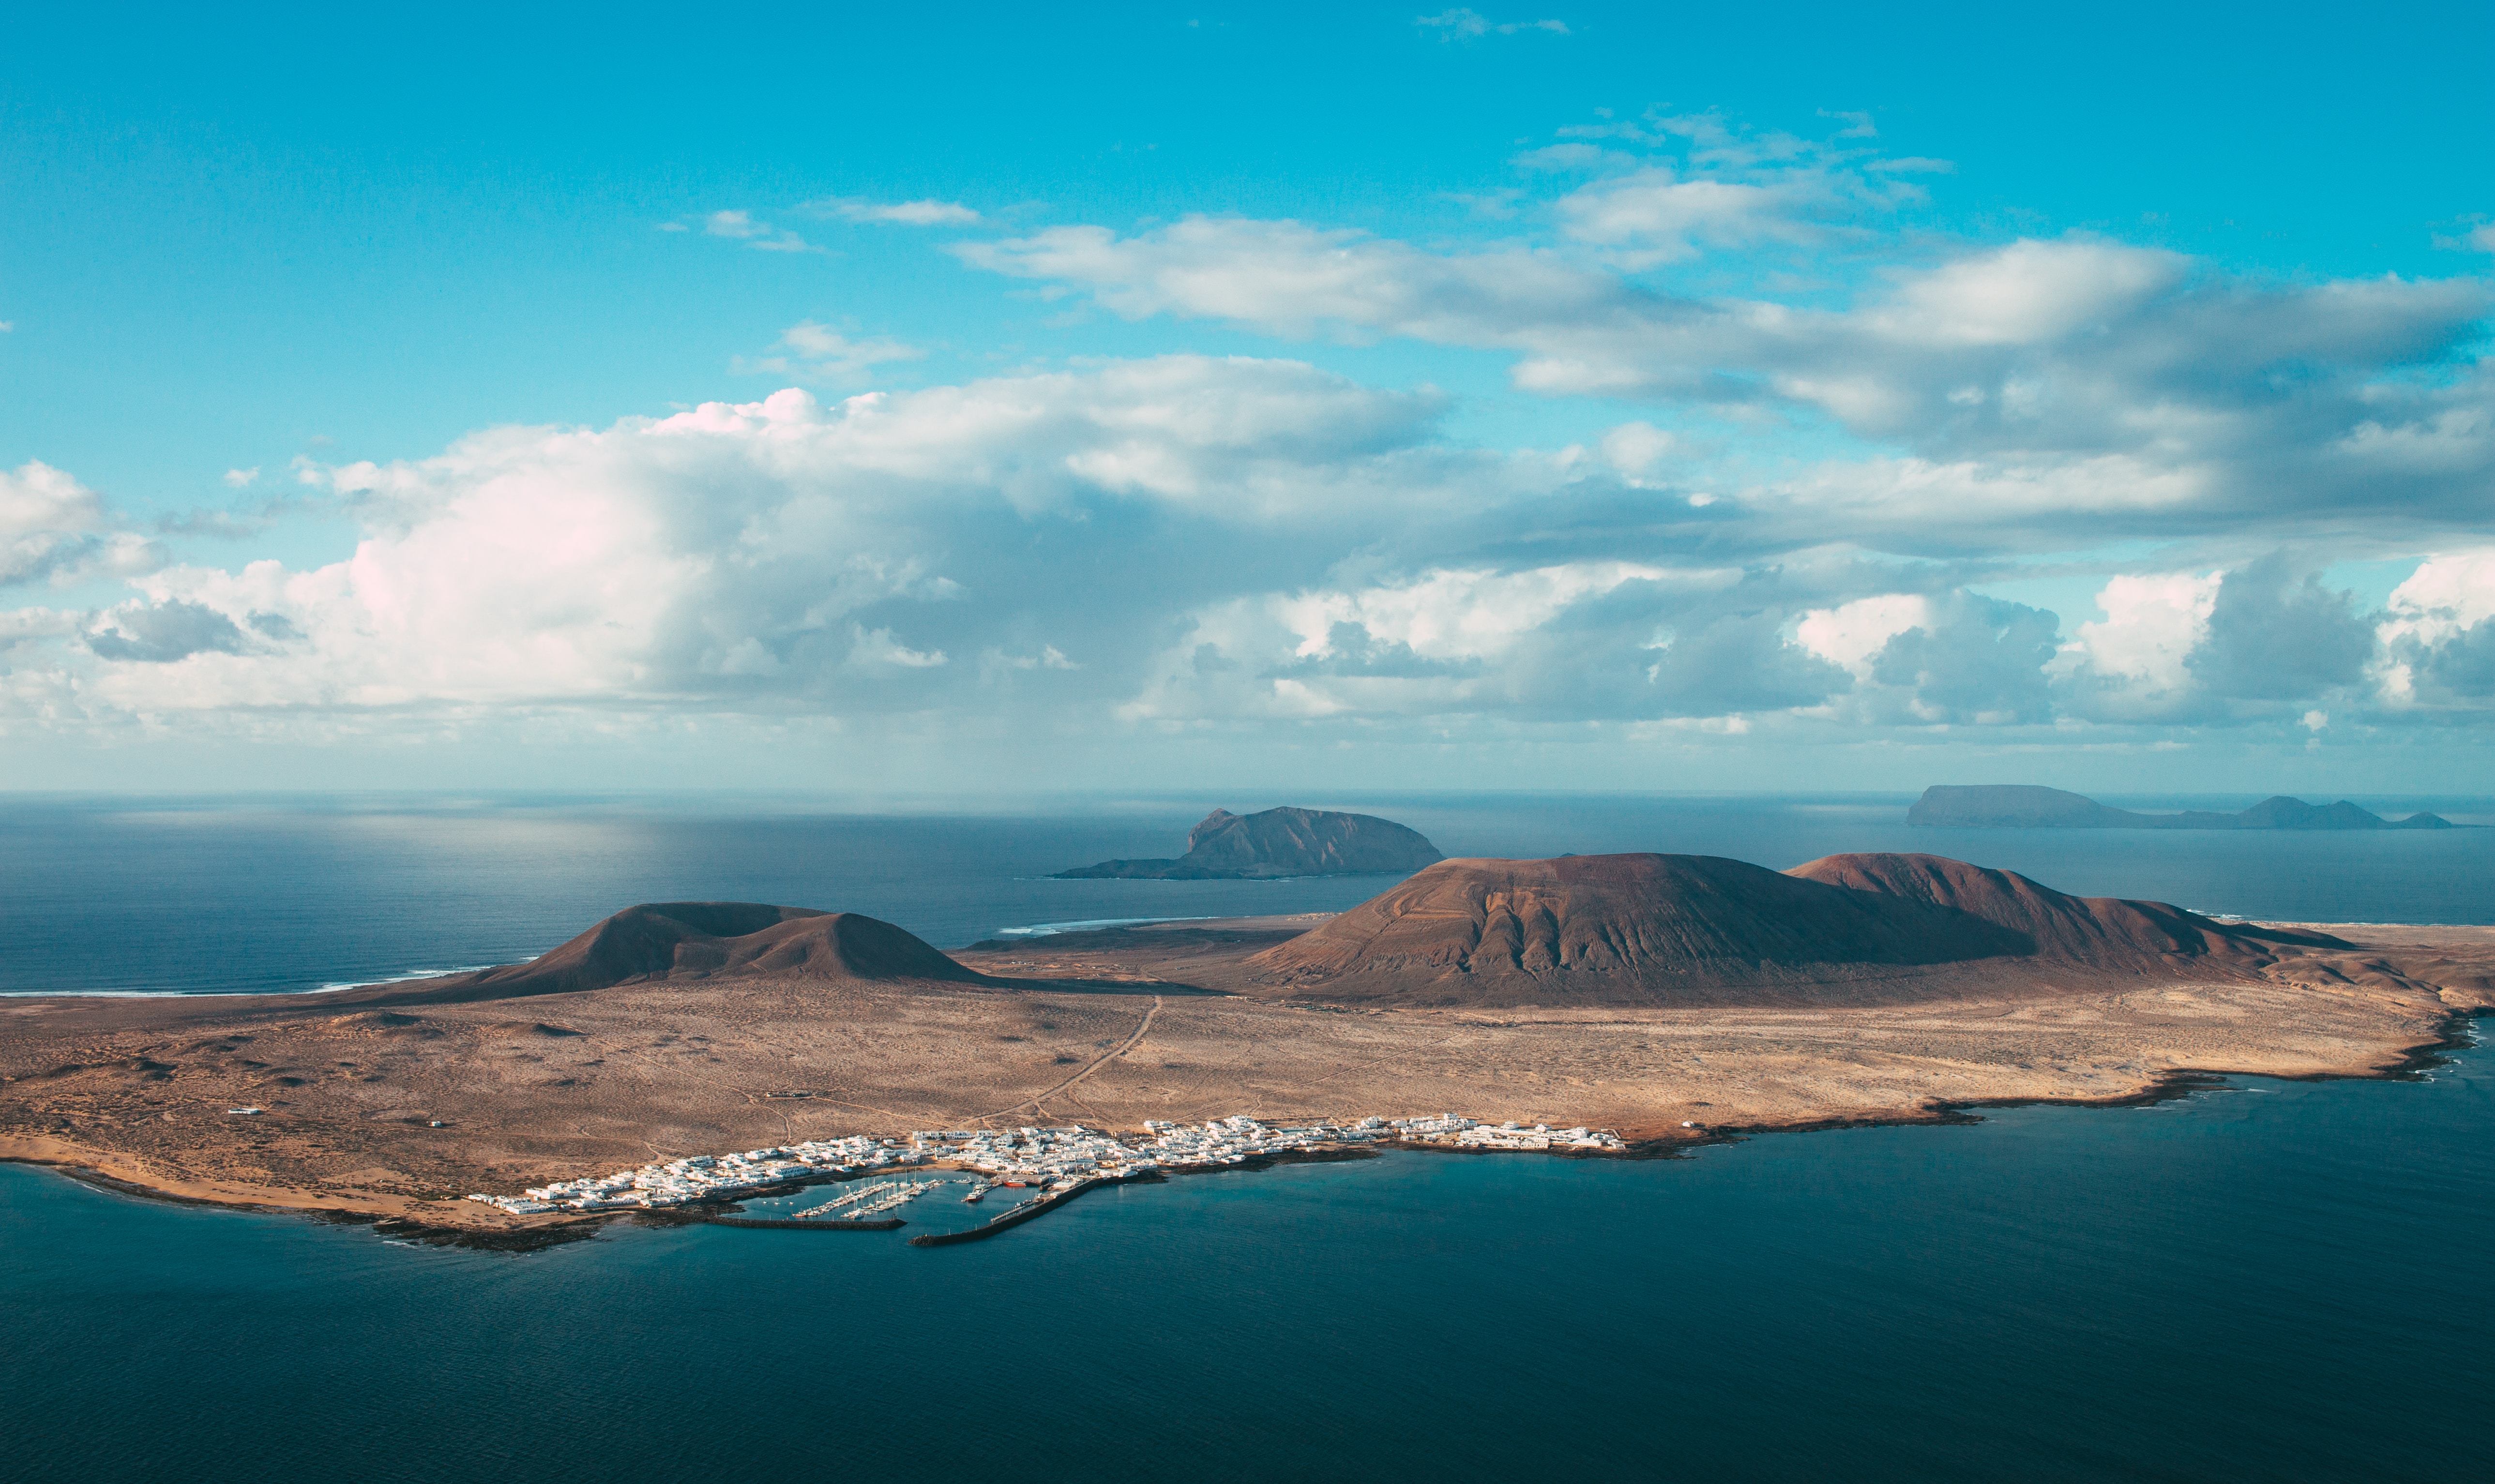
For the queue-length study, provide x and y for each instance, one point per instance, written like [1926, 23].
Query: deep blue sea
[2272, 1281]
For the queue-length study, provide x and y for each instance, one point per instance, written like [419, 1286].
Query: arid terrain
[1181, 1021]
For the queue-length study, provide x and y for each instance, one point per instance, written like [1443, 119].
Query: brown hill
[674, 941]
[2101, 932]
[1645, 929]
[1618, 929]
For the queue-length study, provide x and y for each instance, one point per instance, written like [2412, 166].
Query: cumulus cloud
[2146, 381]
[788, 555]
[1189, 541]
[741, 226]
[918, 213]
[160, 633]
[1472, 26]
[1689, 184]
[2139, 655]
[1582, 638]
[815, 354]
[1958, 658]
[2437, 634]
[2275, 634]
[51, 526]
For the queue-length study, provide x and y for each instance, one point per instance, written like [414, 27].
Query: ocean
[2265, 1281]
[253, 897]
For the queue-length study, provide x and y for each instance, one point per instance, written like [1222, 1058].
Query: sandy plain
[1106, 1033]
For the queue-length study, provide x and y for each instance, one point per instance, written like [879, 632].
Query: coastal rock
[1280, 842]
[691, 941]
[2029, 806]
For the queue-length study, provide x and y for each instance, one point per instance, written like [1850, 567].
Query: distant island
[1279, 843]
[2027, 806]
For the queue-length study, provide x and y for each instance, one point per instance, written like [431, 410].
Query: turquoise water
[2282, 1281]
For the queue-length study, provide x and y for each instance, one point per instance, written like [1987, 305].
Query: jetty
[1018, 1215]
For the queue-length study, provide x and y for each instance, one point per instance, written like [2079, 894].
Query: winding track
[1094, 1065]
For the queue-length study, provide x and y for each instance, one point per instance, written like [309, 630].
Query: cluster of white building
[1238, 1140]
[1036, 1156]
[709, 1177]
[1541, 1136]
[1049, 1157]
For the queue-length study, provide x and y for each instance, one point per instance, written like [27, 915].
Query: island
[1276, 843]
[679, 1057]
[2029, 806]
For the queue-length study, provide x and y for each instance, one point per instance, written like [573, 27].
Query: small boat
[977, 1191]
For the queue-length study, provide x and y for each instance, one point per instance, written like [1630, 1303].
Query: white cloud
[741, 226]
[1634, 448]
[1531, 643]
[237, 478]
[2023, 294]
[2150, 627]
[2131, 377]
[37, 499]
[1652, 216]
[776, 554]
[2446, 593]
[1469, 25]
[1853, 634]
[812, 353]
[17, 626]
[878, 649]
[918, 213]
[53, 527]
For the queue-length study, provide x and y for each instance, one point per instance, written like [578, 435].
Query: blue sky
[1328, 397]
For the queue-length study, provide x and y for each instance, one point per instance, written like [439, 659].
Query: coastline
[388, 1115]
[531, 1235]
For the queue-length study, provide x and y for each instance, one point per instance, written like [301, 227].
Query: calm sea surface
[2276, 1281]
[2280, 1282]
[219, 896]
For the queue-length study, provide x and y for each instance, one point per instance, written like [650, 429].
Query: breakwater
[1015, 1216]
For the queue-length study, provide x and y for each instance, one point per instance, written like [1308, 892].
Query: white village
[1051, 1162]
